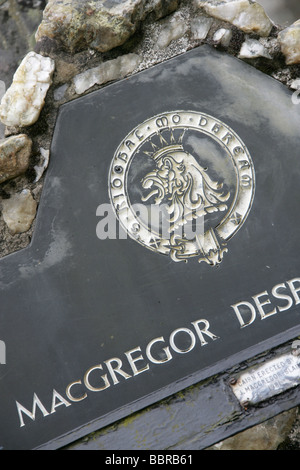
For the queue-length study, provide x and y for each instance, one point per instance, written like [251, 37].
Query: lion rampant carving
[184, 186]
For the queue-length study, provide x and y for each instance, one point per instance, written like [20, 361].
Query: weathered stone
[108, 71]
[22, 103]
[172, 29]
[2, 93]
[102, 26]
[295, 84]
[223, 36]
[65, 70]
[19, 212]
[60, 92]
[289, 40]
[18, 24]
[265, 436]
[40, 169]
[200, 27]
[252, 49]
[14, 156]
[247, 15]
[161, 8]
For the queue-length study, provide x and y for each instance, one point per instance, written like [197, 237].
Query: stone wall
[81, 46]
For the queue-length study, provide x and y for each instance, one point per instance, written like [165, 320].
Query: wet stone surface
[153, 42]
[166, 288]
[101, 26]
[18, 23]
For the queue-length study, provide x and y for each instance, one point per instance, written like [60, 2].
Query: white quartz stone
[40, 169]
[106, 72]
[289, 40]
[174, 29]
[59, 93]
[19, 212]
[223, 36]
[200, 27]
[295, 85]
[22, 103]
[247, 15]
[252, 49]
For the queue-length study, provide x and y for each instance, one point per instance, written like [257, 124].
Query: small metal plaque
[267, 380]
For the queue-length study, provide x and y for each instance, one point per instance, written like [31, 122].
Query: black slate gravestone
[97, 328]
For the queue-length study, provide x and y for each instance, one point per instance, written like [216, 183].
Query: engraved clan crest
[182, 184]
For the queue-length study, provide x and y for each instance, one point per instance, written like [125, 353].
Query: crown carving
[164, 144]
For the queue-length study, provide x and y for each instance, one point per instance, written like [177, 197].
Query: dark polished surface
[70, 301]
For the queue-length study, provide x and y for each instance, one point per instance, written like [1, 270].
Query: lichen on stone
[80, 24]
